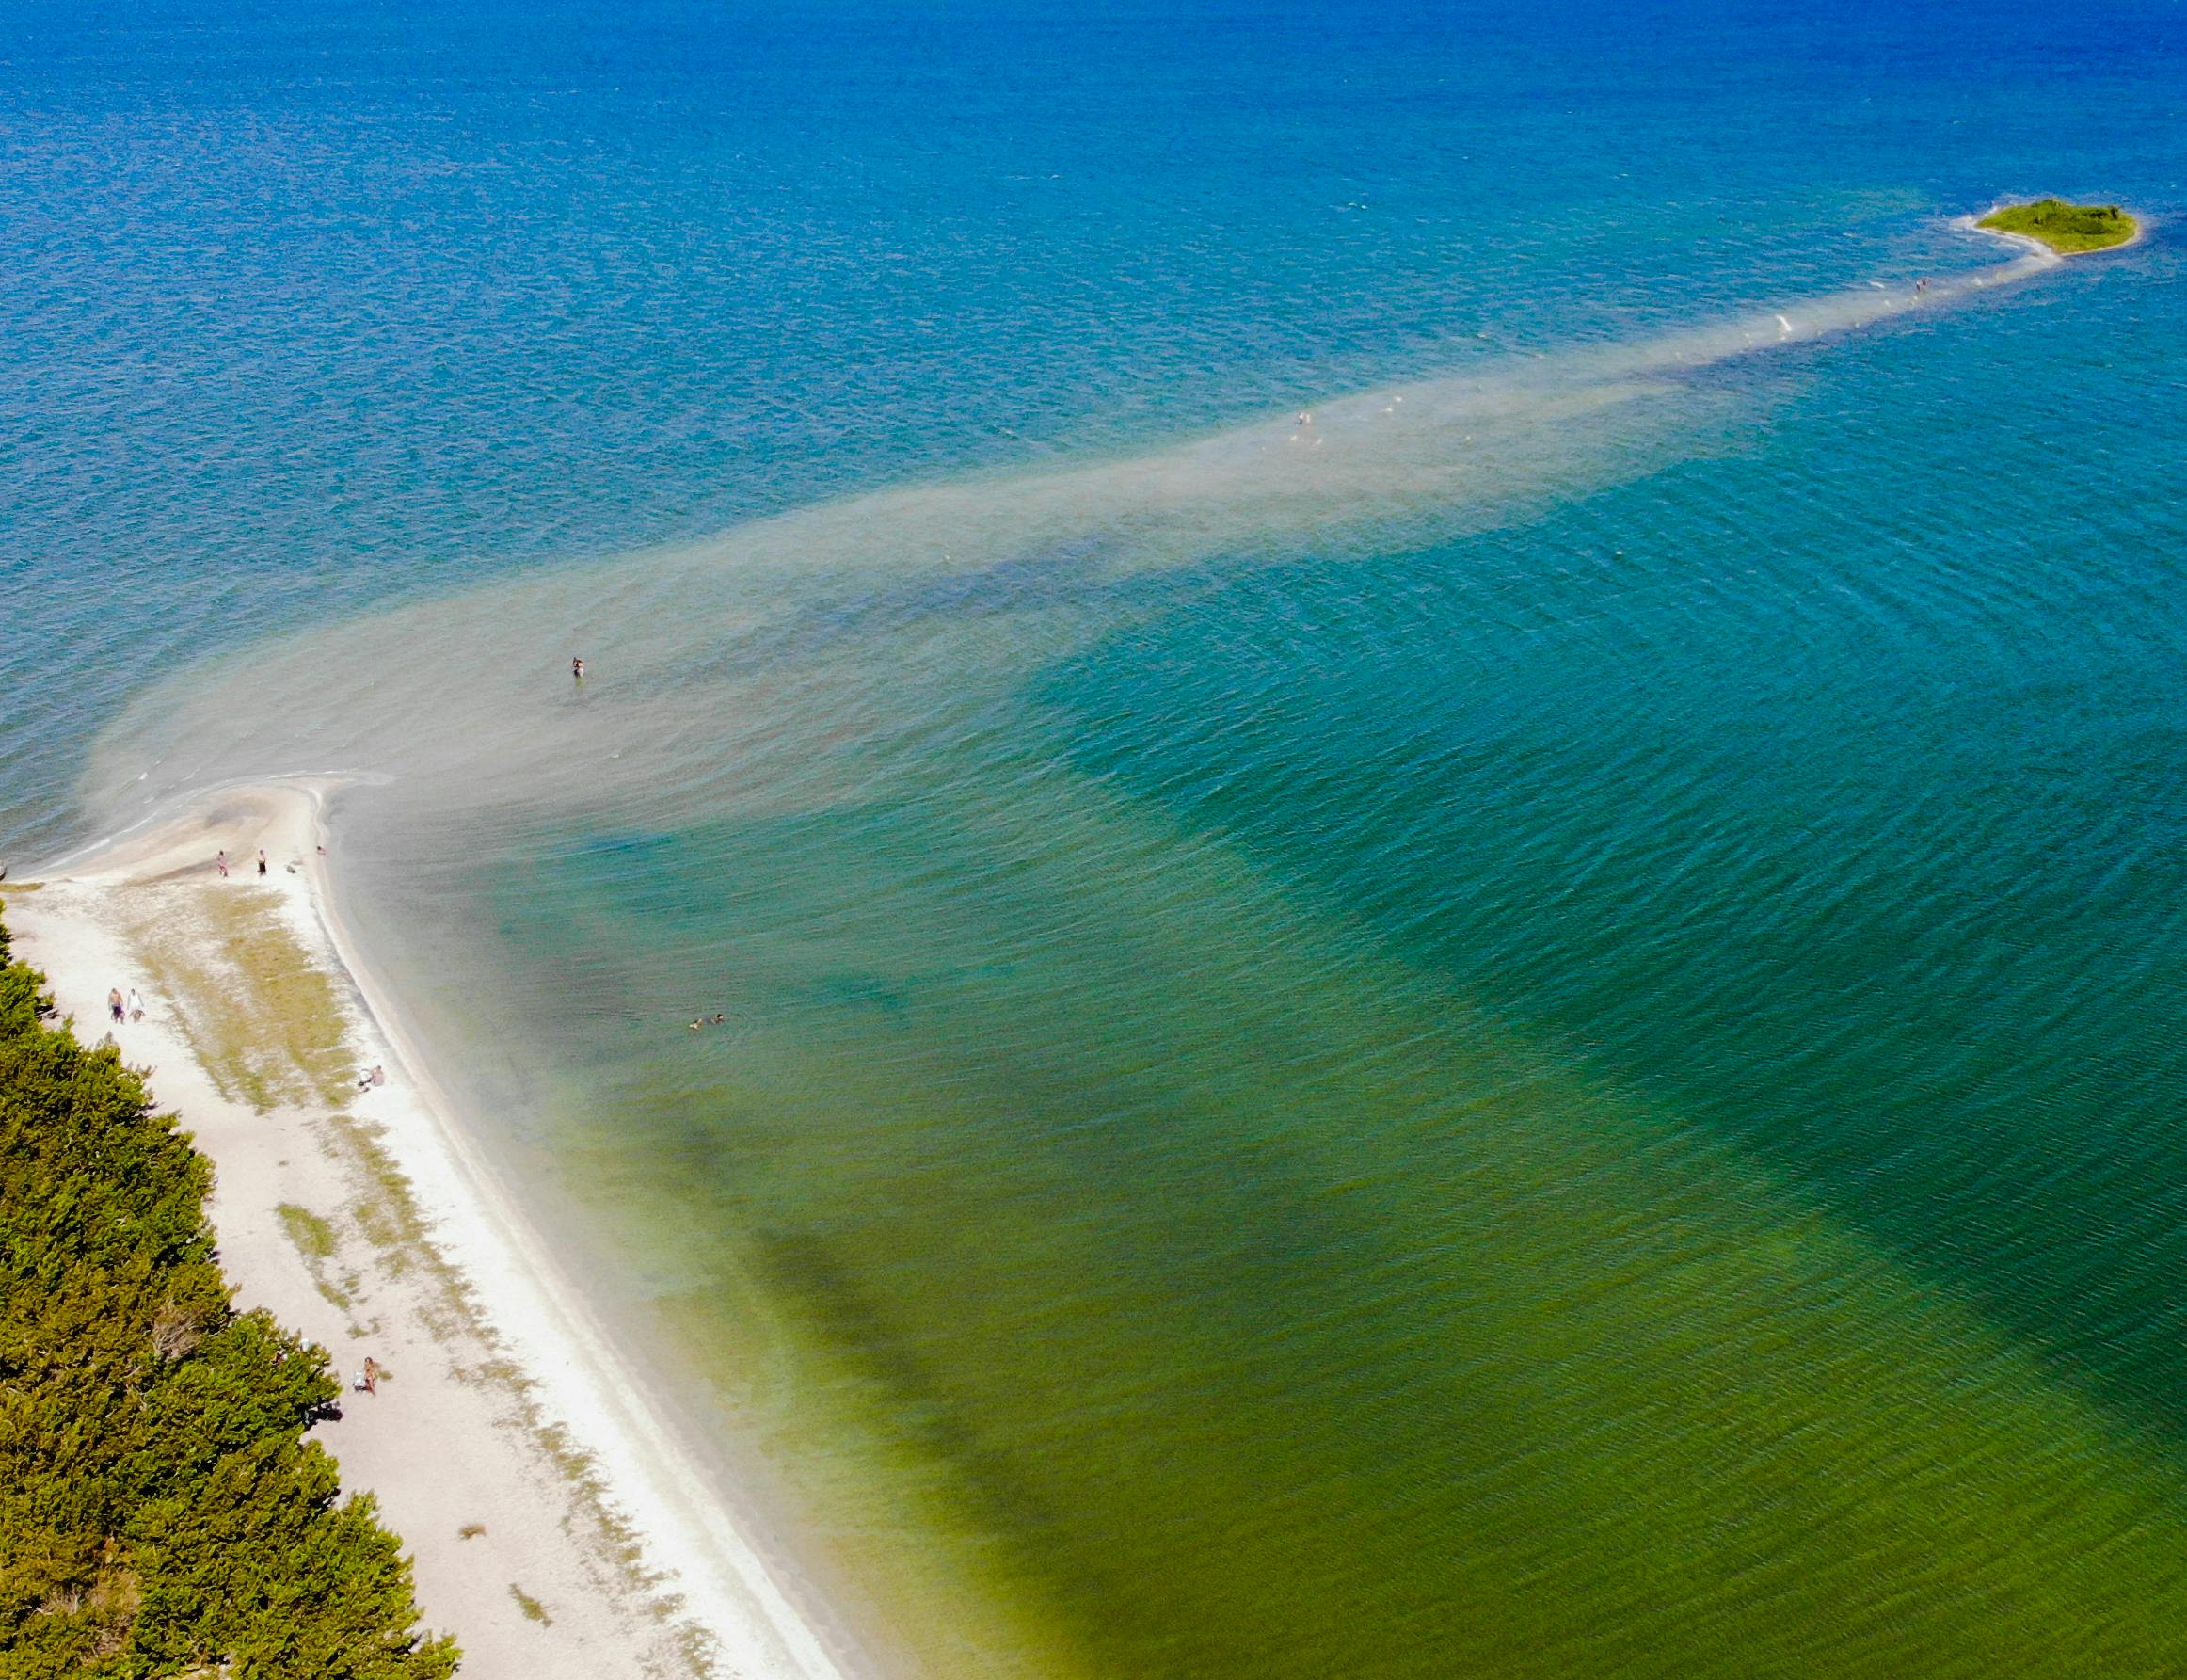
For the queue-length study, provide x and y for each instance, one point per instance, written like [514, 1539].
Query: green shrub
[2064, 226]
[160, 1511]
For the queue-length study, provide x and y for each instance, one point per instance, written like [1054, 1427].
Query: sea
[1445, 854]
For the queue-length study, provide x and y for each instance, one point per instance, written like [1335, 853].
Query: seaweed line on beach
[281, 1028]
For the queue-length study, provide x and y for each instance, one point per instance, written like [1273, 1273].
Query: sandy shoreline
[556, 1526]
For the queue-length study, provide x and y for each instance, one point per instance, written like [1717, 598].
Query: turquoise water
[1526, 1030]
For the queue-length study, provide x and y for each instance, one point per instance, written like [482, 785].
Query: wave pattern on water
[705, 660]
[1166, 1224]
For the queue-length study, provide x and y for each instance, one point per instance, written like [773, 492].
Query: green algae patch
[2069, 230]
[266, 1021]
[313, 1238]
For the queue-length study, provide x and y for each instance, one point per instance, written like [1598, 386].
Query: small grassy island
[2067, 229]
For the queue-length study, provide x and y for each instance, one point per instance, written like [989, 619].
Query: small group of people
[120, 1008]
[378, 1076]
[710, 1020]
[220, 861]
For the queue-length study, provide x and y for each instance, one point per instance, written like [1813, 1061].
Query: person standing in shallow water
[577, 669]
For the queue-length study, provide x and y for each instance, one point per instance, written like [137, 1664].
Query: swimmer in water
[577, 669]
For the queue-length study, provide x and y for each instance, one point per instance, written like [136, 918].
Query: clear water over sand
[1525, 1031]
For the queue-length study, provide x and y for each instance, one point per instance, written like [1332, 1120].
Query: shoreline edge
[555, 1524]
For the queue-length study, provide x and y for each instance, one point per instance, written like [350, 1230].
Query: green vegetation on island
[161, 1515]
[2067, 229]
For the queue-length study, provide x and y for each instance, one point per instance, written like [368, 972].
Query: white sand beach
[555, 1527]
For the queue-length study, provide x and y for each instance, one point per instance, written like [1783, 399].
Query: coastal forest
[161, 1513]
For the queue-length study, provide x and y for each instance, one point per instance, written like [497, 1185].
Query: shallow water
[1529, 1030]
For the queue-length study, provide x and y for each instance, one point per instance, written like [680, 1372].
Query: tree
[161, 1512]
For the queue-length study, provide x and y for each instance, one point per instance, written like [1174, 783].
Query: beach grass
[265, 1021]
[315, 1239]
[313, 1236]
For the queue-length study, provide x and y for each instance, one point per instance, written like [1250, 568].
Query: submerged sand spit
[555, 1530]
[735, 673]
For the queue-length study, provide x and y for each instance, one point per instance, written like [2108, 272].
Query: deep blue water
[1570, 1070]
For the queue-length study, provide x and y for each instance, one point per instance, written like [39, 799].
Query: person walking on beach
[114, 1002]
[136, 1005]
[220, 863]
[262, 861]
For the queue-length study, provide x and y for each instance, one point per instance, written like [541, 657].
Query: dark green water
[1161, 1247]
